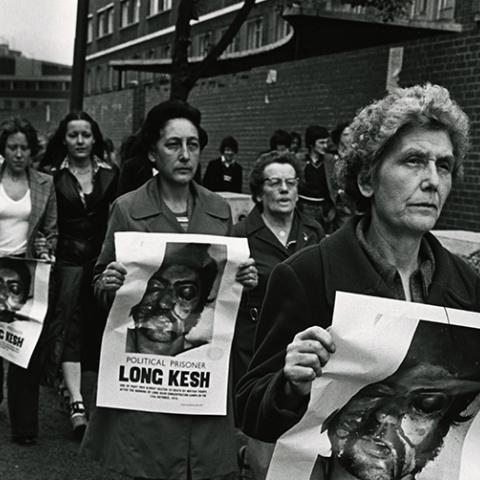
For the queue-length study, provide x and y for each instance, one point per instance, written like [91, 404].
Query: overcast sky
[41, 29]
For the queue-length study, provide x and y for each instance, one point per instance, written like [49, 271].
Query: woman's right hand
[113, 277]
[309, 351]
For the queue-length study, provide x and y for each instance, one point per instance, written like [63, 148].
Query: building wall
[326, 90]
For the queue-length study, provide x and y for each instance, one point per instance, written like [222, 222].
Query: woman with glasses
[275, 230]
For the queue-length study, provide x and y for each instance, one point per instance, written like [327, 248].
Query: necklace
[281, 233]
[77, 171]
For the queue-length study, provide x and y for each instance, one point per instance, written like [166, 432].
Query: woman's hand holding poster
[399, 399]
[166, 345]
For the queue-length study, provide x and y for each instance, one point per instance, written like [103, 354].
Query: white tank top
[14, 216]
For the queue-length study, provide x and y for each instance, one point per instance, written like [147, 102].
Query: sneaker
[78, 417]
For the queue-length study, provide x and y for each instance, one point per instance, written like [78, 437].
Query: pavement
[55, 456]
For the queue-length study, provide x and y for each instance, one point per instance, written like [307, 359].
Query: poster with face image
[23, 306]
[398, 400]
[166, 345]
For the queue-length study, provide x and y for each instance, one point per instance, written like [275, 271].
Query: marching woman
[28, 228]
[86, 185]
[158, 445]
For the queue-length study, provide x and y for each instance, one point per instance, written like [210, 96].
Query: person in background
[402, 154]
[296, 143]
[224, 174]
[159, 445]
[85, 185]
[275, 230]
[28, 228]
[280, 141]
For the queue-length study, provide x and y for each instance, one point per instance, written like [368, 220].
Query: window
[282, 27]
[105, 21]
[421, 6]
[446, 9]
[234, 45]
[90, 28]
[255, 33]
[129, 12]
[98, 79]
[165, 51]
[158, 6]
[204, 43]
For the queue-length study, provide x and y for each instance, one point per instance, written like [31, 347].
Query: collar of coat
[347, 268]
[148, 202]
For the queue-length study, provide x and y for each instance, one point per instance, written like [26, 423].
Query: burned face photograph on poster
[414, 420]
[171, 315]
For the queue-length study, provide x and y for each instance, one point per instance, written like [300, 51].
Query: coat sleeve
[116, 223]
[48, 226]
[287, 309]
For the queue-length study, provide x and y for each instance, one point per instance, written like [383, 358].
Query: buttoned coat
[156, 445]
[267, 251]
[301, 294]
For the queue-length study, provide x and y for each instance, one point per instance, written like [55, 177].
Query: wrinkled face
[17, 153]
[12, 290]
[79, 140]
[413, 181]
[229, 154]
[172, 295]
[177, 152]
[280, 189]
[392, 428]
[320, 145]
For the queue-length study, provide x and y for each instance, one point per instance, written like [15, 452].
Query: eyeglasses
[276, 182]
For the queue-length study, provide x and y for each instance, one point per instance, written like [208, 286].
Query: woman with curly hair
[401, 156]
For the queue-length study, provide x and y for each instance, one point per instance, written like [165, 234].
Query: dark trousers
[23, 389]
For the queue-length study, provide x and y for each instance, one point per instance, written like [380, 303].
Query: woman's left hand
[247, 274]
[41, 248]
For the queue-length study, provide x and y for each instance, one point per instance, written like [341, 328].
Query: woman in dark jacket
[401, 154]
[275, 230]
[85, 185]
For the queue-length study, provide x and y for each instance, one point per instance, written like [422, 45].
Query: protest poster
[166, 345]
[23, 306]
[398, 400]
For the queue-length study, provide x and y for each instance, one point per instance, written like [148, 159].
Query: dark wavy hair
[229, 142]
[156, 120]
[19, 125]
[19, 266]
[280, 137]
[57, 151]
[263, 161]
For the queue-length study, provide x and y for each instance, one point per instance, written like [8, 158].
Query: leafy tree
[388, 9]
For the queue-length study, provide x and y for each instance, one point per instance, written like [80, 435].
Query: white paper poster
[398, 400]
[23, 306]
[166, 346]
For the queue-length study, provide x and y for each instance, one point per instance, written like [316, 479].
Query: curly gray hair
[374, 128]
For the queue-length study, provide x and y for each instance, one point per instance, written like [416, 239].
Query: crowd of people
[350, 211]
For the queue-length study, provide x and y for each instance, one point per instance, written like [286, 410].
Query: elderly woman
[157, 445]
[28, 228]
[402, 154]
[275, 230]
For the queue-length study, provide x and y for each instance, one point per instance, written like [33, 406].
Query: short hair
[280, 137]
[56, 150]
[229, 142]
[313, 133]
[337, 131]
[20, 267]
[19, 125]
[157, 118]
[262, 162]
[376, 126]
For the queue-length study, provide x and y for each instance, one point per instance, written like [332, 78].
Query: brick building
[325, 78]
[35, 89]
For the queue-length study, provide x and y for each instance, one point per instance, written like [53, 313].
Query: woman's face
[413, 181]
[177, 152]
[17, 153]
[79, 140]
[280, 191]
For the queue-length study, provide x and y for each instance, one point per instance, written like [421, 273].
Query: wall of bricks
[324, 90]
